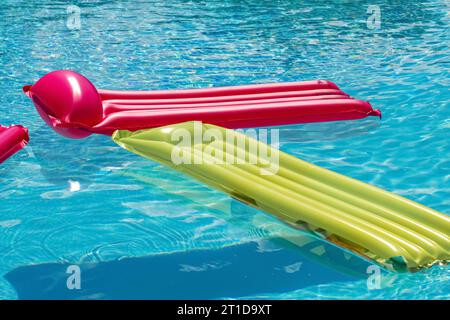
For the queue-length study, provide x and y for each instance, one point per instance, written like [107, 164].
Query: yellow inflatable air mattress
[396, 232]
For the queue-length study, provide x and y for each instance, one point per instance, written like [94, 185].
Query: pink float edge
[12, 139]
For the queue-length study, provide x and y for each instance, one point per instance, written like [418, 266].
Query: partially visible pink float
[12, 139]
[72, 106]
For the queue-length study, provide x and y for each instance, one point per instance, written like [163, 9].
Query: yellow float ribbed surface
[396, 232]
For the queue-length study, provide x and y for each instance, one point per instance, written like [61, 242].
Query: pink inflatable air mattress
[12, 139]
[72, 106]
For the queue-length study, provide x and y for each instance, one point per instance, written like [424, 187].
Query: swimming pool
[87, 202]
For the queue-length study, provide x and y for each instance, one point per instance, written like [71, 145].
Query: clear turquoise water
[128, 207]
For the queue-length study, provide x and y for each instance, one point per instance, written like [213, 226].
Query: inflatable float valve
[376, 113]
[67, 101]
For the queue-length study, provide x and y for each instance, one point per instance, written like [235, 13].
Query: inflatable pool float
[72, 106]
[396, 232]
[12, 139]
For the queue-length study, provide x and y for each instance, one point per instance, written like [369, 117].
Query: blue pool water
[140, 230]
